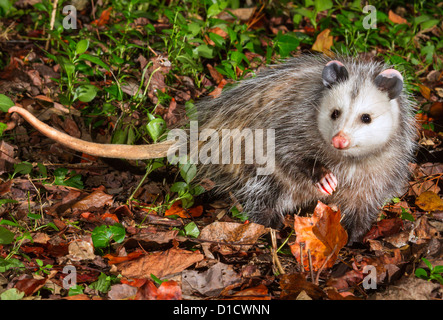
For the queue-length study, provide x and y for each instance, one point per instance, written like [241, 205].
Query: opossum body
[344, 134]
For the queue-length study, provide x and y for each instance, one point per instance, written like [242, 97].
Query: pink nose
[341, 140]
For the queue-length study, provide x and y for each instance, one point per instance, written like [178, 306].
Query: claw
[327, 184]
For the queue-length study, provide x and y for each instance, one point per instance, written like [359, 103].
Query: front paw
[327, 184]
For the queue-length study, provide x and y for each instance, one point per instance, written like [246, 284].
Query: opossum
[344, 134]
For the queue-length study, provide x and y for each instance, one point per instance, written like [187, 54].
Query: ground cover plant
[73, 226]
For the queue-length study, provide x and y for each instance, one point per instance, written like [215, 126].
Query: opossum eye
[335, 114]
[366, 118]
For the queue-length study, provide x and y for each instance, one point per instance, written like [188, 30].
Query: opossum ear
[390, 81]
[334, 71]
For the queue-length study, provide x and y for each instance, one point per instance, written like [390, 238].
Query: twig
[275, 258]
[51, 25]
[311, 269]
[323, 265]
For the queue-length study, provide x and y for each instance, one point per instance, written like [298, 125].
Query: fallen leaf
[108, 215]
[243, 14]
[429, 201]
[231, 232]
[396, 18]
[122, 292]
[293, 284]
[217, 91]
[29, 286]
[425, 91]
[324, 42]
[385, 227]
[159, 264]
[322, 234]
[210, 282]
[168, 290]
[95, 199]
[104, 18]
[81, 250]
[259, 292]
[112, 259]
[217, 76]
[177, 209]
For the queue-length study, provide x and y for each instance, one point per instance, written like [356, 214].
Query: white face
[368, 120]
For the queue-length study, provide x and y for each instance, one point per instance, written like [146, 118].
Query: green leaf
[103, 283]
[197, 190]
[3, 201]
[406, 215]
[42, 170]
[6, 236]
[5, 103]
[34, 216]
[12, 263]
[102, 235]
[9, 222]
[95, 60]
[75, 290]
[204, 51]
[156, 128]
[118, 232]
[188, 172]
[12, 294]
[67, 65]
[218, 40]
[438, 269]
[82, 46]
[192, 230]
[179, 186]
[421, 273]
[429, 24]
[426, 261]
[23, 167]
[213, 10]
[85, 93]
[131, 136]
[322, 5]
[120, 136]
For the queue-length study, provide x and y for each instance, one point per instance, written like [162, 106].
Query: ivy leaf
[5, 103]
[6, 236]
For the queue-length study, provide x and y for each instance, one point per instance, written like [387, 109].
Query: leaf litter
[54, 225]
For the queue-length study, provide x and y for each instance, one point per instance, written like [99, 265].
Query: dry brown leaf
[234, 233]
[243, 14]
[324, 42]
[293, 284]
[396, 18]
[96, 199]
[259, 292]
[210, 282]
[425, 91]
[217, 76]
[159, 264]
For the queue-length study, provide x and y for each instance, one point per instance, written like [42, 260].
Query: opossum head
[359, 112]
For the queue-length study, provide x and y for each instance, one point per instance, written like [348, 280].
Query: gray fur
[288, 98]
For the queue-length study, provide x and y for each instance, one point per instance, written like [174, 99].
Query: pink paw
[327, 184]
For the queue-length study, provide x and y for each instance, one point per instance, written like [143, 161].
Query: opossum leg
[323, 179]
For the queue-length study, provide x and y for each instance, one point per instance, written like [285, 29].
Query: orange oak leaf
[321, 234]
